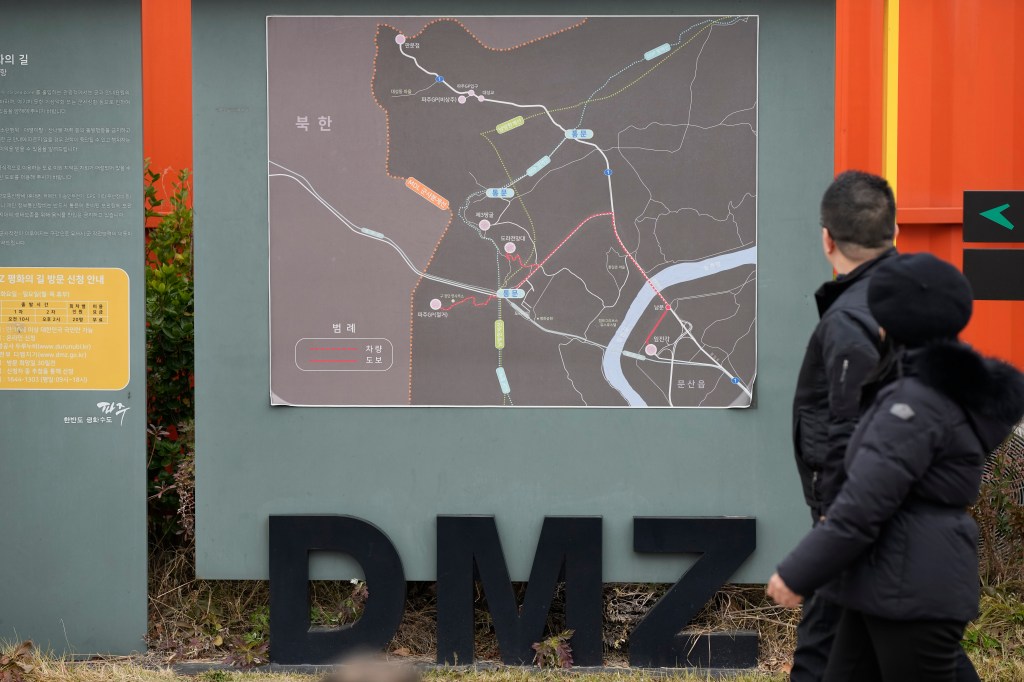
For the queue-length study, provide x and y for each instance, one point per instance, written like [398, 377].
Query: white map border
[277, 402]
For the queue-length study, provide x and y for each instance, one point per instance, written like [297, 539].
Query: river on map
[611, 362]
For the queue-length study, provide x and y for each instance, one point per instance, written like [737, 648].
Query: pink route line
[561, 244]
[517, 258]
[470, 298]
[629, 255]
[667, 308]
[642, 272]
[334, 349]
[533, 268]
[332, 360]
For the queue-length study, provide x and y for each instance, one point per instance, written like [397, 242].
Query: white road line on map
[696, 70]
[582, 281]
[739, 111]
[671, 369]
[736, 312]
[657, 386]
[713, 389]
[356, 229]
[650, 200]
[522, 313]
[566, 369]
[413, 94]
[618, 287]
[677, 125]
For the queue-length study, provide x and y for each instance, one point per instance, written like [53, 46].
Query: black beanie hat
[918, 298]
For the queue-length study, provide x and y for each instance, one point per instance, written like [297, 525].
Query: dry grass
[990, 669]
[191, 618]
[207, 619]
[123, 670]
[747, 607]
[999, 630]
[999, 668]
[202, 619]
[50, 669]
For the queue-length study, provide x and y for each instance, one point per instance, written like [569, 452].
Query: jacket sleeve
[895, 452]
[851, 353]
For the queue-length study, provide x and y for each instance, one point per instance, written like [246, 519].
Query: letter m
[569, 550]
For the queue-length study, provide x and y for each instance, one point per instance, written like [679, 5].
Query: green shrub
[170, 336]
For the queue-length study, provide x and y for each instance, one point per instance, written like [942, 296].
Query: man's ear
[828, 244]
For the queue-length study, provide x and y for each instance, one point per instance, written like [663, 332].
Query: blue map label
[500, 192]
[535, 168]
[657, 52]
[503, 380]
[511, 293]
[579, 134]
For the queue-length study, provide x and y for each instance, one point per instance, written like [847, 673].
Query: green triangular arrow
[996, 216]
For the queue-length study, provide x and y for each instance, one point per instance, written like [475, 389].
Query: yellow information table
[64, 328]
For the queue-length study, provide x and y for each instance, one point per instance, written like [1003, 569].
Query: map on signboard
[513, 211]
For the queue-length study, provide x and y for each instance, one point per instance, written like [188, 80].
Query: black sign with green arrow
[994, 216]
[994, 274]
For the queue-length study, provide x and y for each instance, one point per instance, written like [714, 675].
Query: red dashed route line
[629, 255]
[615, 229]
[387, 143]
[534, 268]
[519, 259]
[412, 294]
[562, 243]
[471, 299]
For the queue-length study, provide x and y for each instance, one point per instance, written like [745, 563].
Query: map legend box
[344, 355]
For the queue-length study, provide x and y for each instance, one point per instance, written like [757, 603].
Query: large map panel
[513, 210]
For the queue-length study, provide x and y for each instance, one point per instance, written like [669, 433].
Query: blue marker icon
[607, 171]
[735, 380]
[440, 79]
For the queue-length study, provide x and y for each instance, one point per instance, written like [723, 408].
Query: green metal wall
[73, 496]
[388, 465]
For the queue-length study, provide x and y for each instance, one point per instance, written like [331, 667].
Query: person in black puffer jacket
[898, 550]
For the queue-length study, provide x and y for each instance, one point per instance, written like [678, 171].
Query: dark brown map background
[681, 140]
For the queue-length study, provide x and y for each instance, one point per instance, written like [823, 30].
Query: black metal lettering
[292, 538]
[569, 549]
[724, 544]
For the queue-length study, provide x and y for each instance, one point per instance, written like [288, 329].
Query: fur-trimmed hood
[989, 390]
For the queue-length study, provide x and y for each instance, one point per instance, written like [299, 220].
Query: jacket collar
[989, 391]
[828, 292]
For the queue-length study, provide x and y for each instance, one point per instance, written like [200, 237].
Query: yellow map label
[510, 124]
[64, 329]
[499, 334]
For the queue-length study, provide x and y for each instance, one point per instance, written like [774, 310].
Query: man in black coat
[898, 549]
[858, 217]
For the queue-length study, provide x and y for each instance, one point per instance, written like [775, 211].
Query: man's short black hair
[859, 208]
